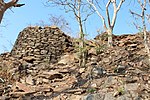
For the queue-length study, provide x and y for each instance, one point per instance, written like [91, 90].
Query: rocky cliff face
[42, 44]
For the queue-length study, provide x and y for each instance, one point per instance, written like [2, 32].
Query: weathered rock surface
[118, 73]
[43, 44]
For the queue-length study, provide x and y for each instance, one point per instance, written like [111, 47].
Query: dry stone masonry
[118, 73]
[41, 44]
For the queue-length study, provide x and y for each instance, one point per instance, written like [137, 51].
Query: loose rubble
[118, 73]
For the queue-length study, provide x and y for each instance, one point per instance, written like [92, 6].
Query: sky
[34, 12]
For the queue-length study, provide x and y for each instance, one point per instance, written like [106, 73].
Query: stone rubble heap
[118, 73]
[41, 44]
[128, 50]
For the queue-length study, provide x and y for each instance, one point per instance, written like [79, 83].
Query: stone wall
[42, 44]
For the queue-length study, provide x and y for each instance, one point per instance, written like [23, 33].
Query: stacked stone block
[44, 44]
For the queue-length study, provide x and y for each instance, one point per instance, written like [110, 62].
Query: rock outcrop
[118, 73]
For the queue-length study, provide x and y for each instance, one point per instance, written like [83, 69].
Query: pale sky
[34, 11]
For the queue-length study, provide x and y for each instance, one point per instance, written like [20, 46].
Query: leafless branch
[98, 13]
[119, 6]
[116, 9]
[107, 12]
[4, 6]
[142, 16]
[134, 13]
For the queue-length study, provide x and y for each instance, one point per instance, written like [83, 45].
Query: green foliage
[100, 48]
[115, 69]
[121, 90]
[91, 90]
[0, 68]
[46, 61]
[80, 49]
[105, 36]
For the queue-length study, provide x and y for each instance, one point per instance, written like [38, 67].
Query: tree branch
[133, 13]
[120, 4]
[107, 12]
[98, 13]
[116, 9]
[4, 6]
[18, 5]
[11, 3]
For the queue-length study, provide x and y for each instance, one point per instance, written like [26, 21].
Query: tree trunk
[82, 59]
[81, 37]
[109, 32]
[146, 44]
[145, 38]
[144, 30]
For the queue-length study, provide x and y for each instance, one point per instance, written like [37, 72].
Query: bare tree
[81, 13]
[143, 17]
[4, 6]
[61, 22]
[110, 22]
